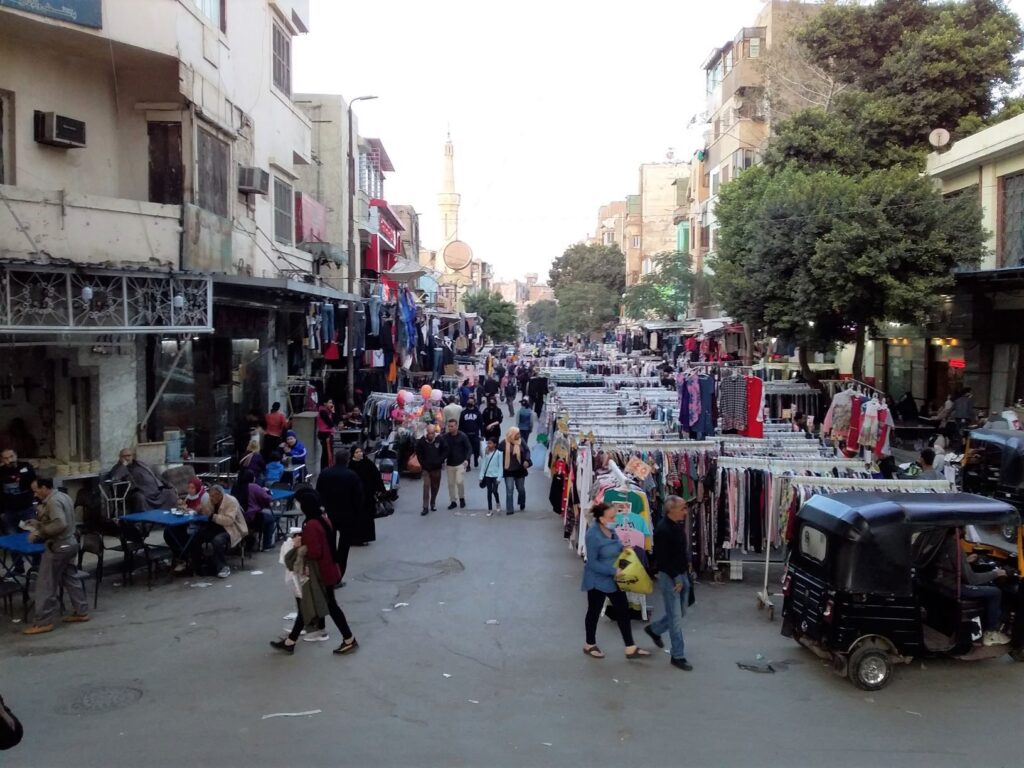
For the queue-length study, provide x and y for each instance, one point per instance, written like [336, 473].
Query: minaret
[448, 200]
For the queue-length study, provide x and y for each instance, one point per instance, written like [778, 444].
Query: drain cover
[104, 698]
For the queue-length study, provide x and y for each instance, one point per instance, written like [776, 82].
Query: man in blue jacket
[673, 557]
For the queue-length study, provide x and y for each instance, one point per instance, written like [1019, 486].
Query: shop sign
[387, 232]
[85, 13]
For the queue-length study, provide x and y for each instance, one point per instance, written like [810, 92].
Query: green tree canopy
[665, 291]
[818, 256]
[498, 315]
[543, 317]
[914, 65]
[603, 265]
[586, 307]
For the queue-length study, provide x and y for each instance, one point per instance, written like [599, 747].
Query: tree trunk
[748, 343]
[804, 356]
[858, 354]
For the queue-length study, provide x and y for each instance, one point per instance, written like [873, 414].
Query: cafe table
[11, 546]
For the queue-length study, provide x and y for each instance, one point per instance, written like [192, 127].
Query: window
[214, 10]
[714, 183]
[725, 174]
[214, 156]
[636, 241]
[609, 238]
[284, 200]
[1011, 221]
[742, 159]
[754, 47]
[727, 59]
[282, 60]
[813, 543]
[718, 128]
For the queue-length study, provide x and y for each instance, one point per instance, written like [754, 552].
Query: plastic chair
[92, 543]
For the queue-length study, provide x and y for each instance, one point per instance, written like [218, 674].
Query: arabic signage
[87, 13]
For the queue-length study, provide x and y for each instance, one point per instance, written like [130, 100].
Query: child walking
[491, 468]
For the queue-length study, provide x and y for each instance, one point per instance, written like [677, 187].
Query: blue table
[18, 544]
[163, 517]
[280, 503]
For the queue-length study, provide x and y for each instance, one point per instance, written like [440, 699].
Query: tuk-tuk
[993, 466]
[867, 583]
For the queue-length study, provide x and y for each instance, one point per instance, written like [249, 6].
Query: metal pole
[350, 360]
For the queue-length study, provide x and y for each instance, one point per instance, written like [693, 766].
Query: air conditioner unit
[253, 180]
[58, 130]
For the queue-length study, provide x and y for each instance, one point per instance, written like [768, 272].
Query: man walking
[457, 453]
[470, 424]
[54, 526]
[673, 556]
[341, 493]
[430, 453]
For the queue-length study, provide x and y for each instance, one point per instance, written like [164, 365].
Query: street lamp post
[353, 259]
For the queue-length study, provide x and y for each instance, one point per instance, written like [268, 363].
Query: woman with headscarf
[365, 530]
[313, 553]
[254, 501]
[516, 461]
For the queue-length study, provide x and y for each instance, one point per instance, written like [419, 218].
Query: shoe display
[682, 664]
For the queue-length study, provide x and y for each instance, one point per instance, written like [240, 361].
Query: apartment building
[611, 225]
[659, 192]
[153, 273]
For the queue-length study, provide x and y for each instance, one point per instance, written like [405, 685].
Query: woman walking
[319, 575]
[491, 472]
[364, 529]
[515, 467]
[599, 572]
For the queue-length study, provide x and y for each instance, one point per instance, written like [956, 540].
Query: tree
[498, 315]
[818, 257]
[586, 307]
[664, 292]
[914, 65]
[603, 265]
[543, 317]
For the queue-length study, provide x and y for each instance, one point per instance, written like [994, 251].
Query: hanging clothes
[732, 403]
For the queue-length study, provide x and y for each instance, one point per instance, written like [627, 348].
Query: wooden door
[166, 172]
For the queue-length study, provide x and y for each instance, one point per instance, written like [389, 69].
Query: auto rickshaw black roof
[1007, 438]
[853, 515]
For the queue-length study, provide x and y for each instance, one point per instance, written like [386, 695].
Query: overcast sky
[552, 105]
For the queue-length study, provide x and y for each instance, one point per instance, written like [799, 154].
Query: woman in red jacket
[317, 540]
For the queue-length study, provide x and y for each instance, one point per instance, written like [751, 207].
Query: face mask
[610, 526]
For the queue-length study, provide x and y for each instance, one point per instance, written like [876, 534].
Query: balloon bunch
[427, 411]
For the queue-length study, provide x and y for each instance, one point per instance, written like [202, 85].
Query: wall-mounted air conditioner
[253, 180]
[58, 130]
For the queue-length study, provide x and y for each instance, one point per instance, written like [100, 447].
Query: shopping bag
[633, 576]
[539, 455]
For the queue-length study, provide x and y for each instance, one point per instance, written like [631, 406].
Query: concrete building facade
[659, 192]
[150, 155]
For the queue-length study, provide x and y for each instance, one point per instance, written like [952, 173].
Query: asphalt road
[183, 674]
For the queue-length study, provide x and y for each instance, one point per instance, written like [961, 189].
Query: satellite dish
[457, 255]
[938, 138]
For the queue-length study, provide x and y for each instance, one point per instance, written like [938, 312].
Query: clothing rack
[757, 462]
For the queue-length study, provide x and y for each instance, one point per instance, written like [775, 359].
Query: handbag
[483, 479]
[385, 508]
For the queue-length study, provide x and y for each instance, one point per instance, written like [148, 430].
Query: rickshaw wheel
[870, 667]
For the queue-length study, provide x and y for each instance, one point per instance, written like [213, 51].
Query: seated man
[927, 464]
[974, 585]
[225, 529]
[148, 491]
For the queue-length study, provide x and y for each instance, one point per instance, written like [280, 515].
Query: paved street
[183, 675]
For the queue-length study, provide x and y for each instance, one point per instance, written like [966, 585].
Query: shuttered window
[284, 218]
[282, 60]
[214, 157]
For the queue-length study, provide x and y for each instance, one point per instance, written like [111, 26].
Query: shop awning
[684, 327]
[405, 270]
[301, 288]
[82, 299]
[714, 324]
